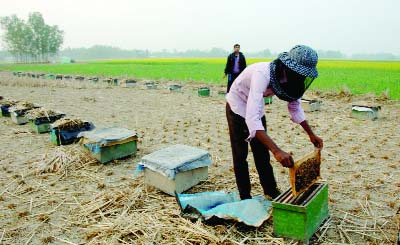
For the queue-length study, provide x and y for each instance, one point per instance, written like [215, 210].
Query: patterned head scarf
[303, 61]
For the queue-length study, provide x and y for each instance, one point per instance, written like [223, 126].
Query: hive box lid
[177, 158]
[108, 136]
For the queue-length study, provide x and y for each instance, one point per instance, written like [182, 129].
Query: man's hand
[317, 141]
[284, 158]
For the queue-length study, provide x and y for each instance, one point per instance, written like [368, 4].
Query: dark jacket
[231, 61]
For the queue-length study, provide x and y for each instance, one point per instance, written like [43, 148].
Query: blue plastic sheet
[206, 205]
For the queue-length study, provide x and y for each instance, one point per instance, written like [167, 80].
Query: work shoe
[273, 194]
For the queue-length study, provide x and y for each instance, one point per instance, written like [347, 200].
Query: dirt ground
[105, 204]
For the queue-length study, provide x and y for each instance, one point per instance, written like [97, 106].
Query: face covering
[287, 84]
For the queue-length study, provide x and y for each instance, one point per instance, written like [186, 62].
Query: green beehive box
[300, 222]
[39, 128]
[56, 140]
[107, 144]
[4, 114]
[106, 154]
[204, 92]
[268, 100]
[42, 125]
[53, 137]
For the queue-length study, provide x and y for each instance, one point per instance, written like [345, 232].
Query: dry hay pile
[64, 159]
[22, 105]
[363, 224]
[40, 112]
[8, 102]
[139, 215]
[68, 124]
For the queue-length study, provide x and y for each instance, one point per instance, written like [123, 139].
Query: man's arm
[317, 141]
[299, 117]
[227, 65]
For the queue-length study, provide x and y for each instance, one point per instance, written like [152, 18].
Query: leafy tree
[32, 40]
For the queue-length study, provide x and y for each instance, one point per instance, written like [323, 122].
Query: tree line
[32, 40]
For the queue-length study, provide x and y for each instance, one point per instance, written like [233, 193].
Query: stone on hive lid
[177, 158]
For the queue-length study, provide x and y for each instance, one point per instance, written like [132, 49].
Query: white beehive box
[365, 112]
[176, 168]
[129, 83]
[311, 105]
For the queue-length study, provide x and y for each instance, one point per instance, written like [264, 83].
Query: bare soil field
[92, 203]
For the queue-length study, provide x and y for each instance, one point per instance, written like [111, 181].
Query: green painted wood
[204, 92]
[302, 222]
[290, 207]
[4, 114]
[268, 100]
[41, 128]
[114, 152]
[54, 138]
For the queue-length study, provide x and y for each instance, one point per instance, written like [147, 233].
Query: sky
[349, 26]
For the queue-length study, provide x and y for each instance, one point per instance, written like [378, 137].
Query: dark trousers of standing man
[231, 78]
[238, 133]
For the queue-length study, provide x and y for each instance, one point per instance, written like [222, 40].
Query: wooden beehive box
[151, 85]
[300, 217]
[204, 92]
[18, 116]
[4, 112]
[129, 83]
[175, 88]
[176, 168]
[182, 181]
[68, 135]
[41, 125]
[107, 144]
[19, 110]
[365, 111]
[311, 105]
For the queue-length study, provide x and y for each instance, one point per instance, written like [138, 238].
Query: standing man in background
[235, 64]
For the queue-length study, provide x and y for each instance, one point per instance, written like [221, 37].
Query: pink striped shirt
[246, 97]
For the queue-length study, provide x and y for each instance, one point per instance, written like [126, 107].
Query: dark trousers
[231, 78]
[238, 133]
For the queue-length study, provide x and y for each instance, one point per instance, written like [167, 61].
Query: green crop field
[357, 76]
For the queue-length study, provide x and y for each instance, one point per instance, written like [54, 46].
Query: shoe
[273, 194]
